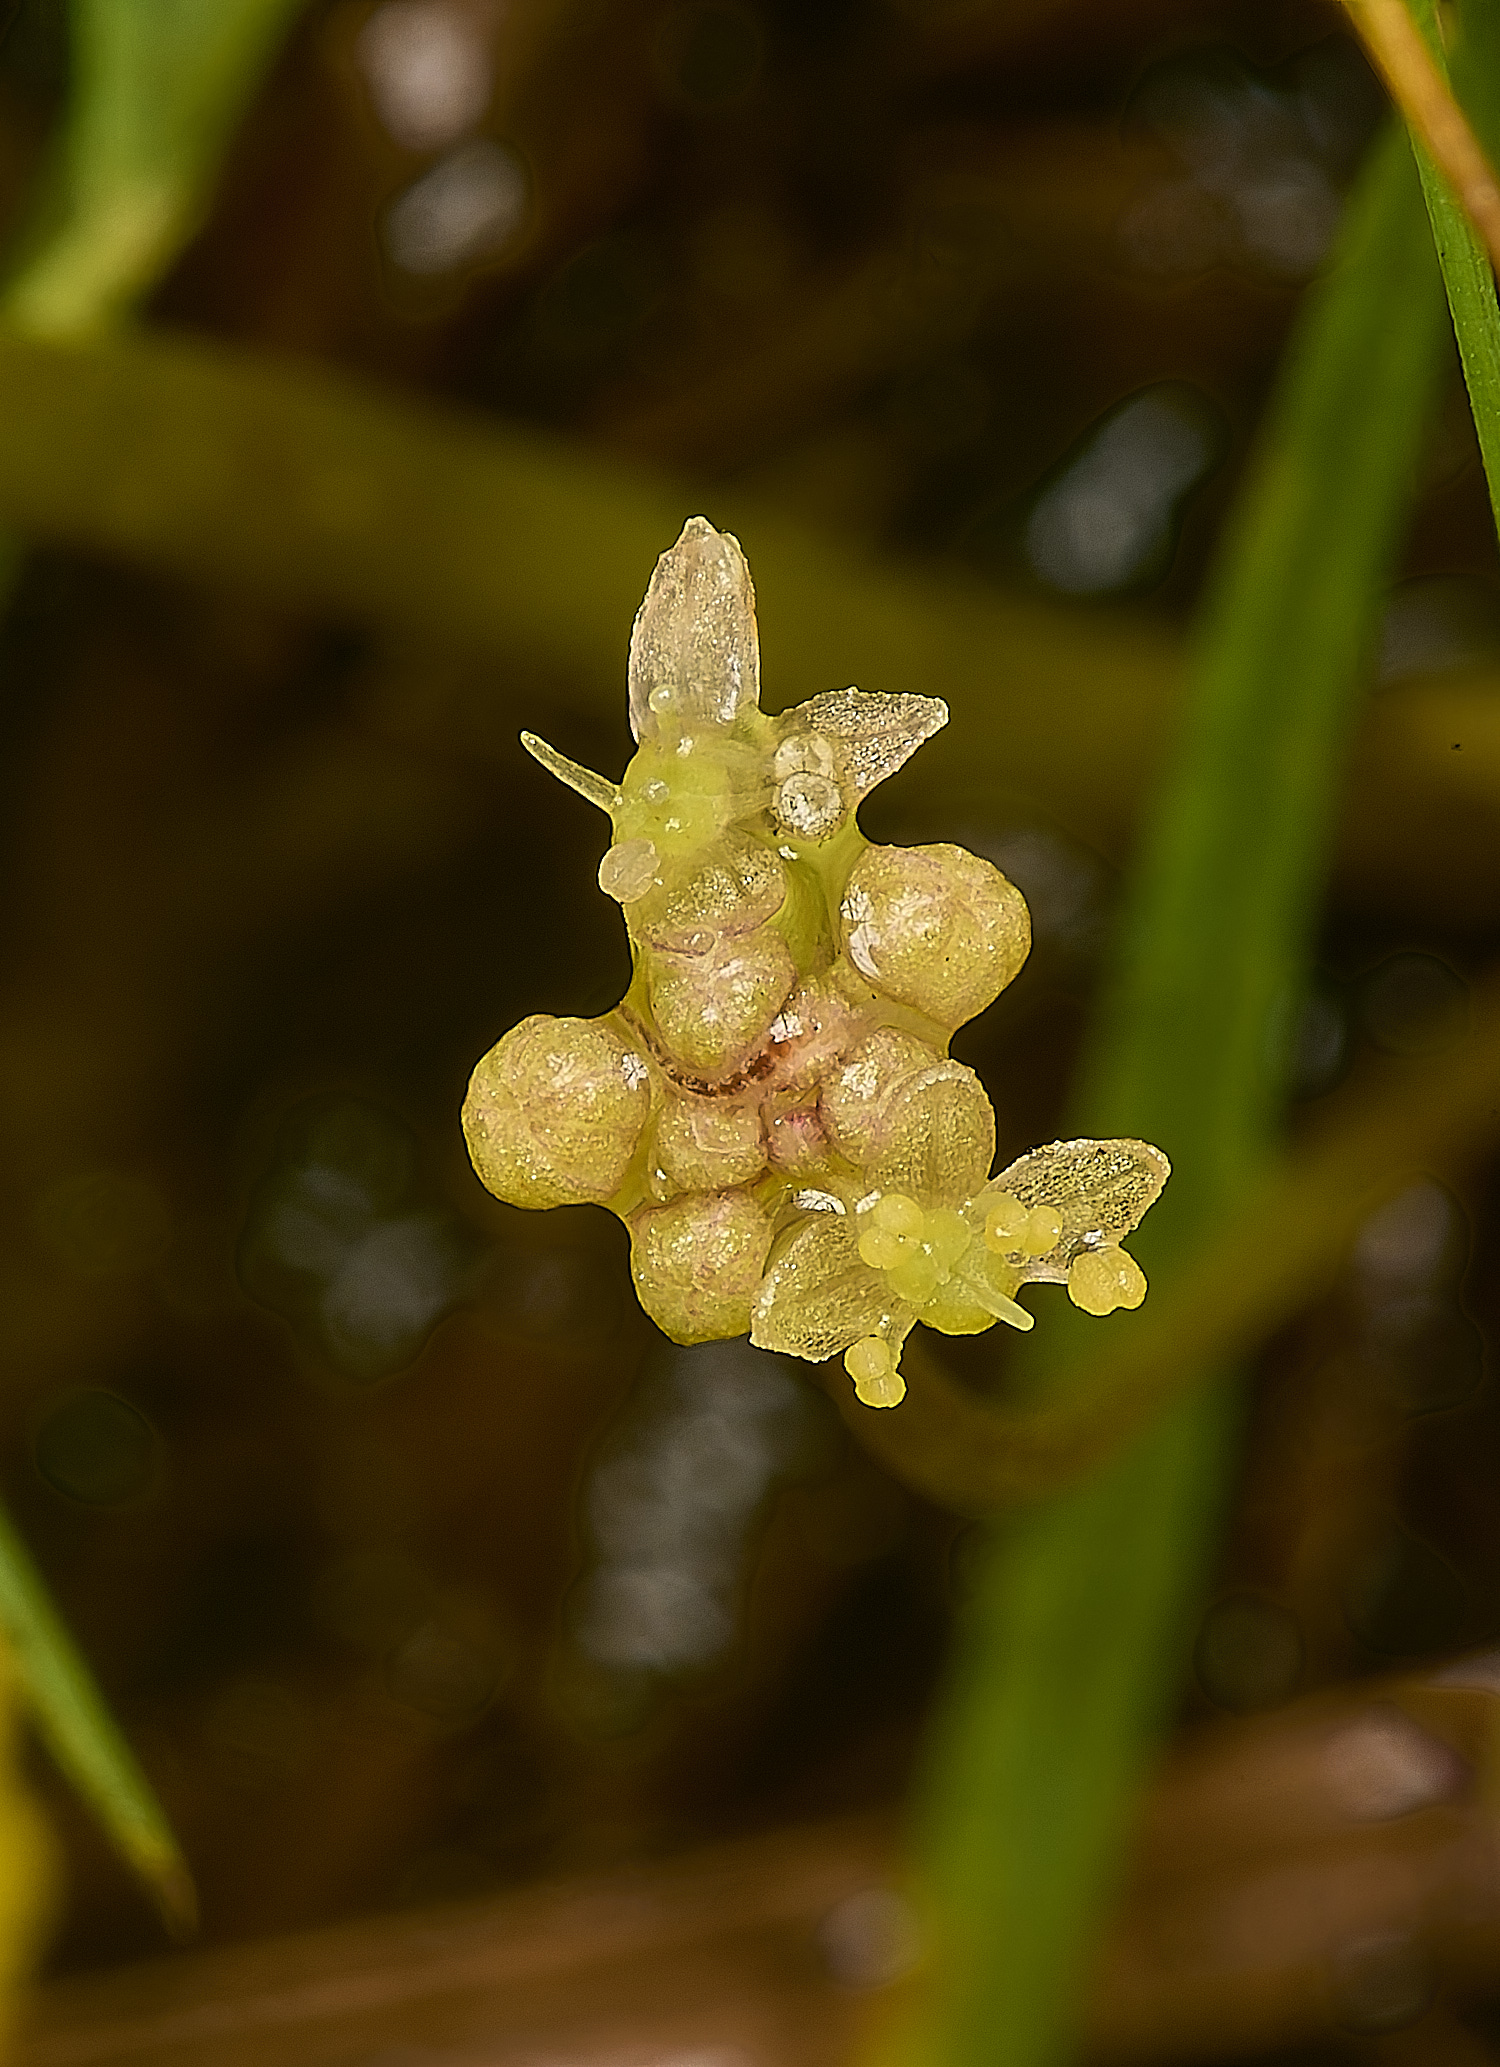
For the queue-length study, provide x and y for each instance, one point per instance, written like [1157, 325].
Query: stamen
[881, 1249]
[916, 1248]
[1042, 1232]
[898, 1213]
[877, 1380]
[1101, 1280]
[1011, 1230]
[1003, 1224]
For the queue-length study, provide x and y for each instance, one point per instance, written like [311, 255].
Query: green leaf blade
[83, 1737]
[1074, 1644]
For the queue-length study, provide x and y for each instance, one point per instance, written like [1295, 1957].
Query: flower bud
[711, 1008]
[554, 1112]
[694, 647]
[806, 800]
[935, 928]
[911, 1120]
[697, 1263]
[735, 888]
[705, 1144]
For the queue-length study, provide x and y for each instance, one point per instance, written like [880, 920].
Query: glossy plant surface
[772, 1109]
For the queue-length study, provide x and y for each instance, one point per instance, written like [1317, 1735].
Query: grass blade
[1074, 1642]
[82, 1736]
[158, 87]
[1465, 263]
[1410, 59]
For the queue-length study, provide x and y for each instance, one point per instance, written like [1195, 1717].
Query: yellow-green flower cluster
[772, 1109]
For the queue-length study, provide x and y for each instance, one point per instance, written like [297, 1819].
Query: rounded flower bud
[733, 889]
[711, 1008]
[554, 1112]
[934, 927]
[705, 1144]
[697, 1263]
[910, 1119]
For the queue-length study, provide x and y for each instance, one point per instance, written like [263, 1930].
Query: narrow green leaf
[1461, 254]
[1072, 1649]
[158, 86]
[83, 1737]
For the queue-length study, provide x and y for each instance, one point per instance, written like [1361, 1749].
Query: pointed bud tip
[694, 648]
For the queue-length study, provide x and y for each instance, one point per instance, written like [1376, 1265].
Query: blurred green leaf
[157, 88]
[82, 1736]
[326, 493]
[1072, 1649]
[330, 495]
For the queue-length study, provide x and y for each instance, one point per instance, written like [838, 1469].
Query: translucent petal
[1099, 1190]
[817, 1297]
[694, 649]
[871, 736]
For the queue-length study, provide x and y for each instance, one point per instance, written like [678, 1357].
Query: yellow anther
[1102, 1279]
[881, 1249]
[916, 1277]
[1003, 1224]
[877, 1381]
[947, 1235]
[898, 1214]
[1043, 1231]
[867, 1359]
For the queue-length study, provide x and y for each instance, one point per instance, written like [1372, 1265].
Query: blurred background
[417, 1567]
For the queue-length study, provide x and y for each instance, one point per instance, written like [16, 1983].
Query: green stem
[1072, 1649]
